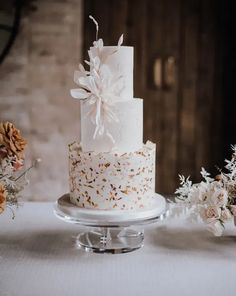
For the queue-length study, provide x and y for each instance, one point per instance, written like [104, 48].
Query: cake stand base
[111, 232]
[110, 240]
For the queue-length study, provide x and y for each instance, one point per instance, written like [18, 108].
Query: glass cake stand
[110, 231]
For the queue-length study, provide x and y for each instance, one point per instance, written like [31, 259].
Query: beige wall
[35, 80]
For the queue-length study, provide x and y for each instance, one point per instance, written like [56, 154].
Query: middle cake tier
[127, 131]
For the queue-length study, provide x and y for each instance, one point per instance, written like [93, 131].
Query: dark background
[190, 111]
[191, 115]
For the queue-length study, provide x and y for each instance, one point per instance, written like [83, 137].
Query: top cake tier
[121, 62]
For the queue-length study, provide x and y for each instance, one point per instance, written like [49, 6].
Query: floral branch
[34, 164]
[213, 200]
[12, 148]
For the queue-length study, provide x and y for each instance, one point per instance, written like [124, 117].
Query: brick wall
[35, 80]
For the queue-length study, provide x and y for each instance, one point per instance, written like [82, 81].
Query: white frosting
[112, 181]
[111, 169]
[120, 62]
[127, 132]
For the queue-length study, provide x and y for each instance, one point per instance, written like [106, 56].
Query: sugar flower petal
[120, 41]
[79, 93]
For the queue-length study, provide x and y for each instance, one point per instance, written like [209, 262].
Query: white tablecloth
[38, 257]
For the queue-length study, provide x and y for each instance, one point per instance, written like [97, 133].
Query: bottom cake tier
[112, 180]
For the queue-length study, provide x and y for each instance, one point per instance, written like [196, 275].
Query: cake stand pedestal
[111, 232]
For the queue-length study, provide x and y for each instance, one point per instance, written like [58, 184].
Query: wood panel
[228, 23]
[205, 86]
[117, 20]
[171, 43]
[153, 95]
[181, 119]
[136, 34]
[189, 45]
[217, 126]
[101, 11]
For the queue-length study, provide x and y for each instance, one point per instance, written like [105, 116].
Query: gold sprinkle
[90, 186]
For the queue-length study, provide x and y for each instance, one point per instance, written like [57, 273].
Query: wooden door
[182, 108]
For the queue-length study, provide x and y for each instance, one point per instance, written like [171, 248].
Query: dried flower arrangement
[12, 179]
[212, 200]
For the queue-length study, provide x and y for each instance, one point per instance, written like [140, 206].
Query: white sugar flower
[80, 73]
[94, 62]
[99, 86]
[215, 227]
[98, 44]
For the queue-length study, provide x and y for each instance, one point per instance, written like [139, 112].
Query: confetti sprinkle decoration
[99, 189]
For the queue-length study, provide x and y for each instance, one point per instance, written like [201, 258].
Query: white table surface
[38, 257]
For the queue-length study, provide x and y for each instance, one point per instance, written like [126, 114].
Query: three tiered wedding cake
[110, 168]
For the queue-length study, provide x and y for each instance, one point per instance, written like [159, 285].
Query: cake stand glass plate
[111, 232]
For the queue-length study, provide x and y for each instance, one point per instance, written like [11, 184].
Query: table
[38, 257]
